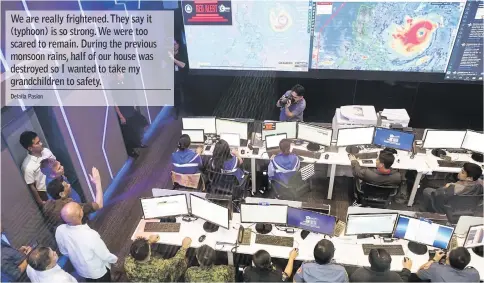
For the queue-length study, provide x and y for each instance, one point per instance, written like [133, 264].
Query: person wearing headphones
[185, 160]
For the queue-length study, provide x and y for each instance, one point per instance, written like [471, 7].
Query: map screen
[384, 36]
[247, 35]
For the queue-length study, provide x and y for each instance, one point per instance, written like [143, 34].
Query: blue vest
[284, 167]
[186, 162]
[231, 167]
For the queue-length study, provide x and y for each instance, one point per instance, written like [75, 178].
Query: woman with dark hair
[264, 271]
[226, 161]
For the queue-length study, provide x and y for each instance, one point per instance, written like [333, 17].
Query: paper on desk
[396, 114]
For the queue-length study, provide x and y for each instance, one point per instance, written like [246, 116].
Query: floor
[121, 213]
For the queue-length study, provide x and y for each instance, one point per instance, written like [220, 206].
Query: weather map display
[384, 36]
[466, 60]
[443, 39]
[247, 35]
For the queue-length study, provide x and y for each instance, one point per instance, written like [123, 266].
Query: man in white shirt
[31, 165]
[42, 267]
[84, 246]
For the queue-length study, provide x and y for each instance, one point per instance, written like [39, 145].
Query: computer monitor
[207, 124]
[166, 206]
[355, 136]
[393, 139]
[272, 141]
[215, 215]
[225, 126]
[263, 213]
[196, 136]
[370, 224]
[474, 142]
[311, 221]
[314, 134]
[421, 232]
[289, 128]
[435, 139]
[232, 139]
[475, 237]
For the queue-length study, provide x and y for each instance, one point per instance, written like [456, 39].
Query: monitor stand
[352, 149]
[477, 157]
[263, 228]
[417, 248]
[304, 234]
[438, 152]
[365, 236]
[313, 146]
[479, 251]
[209, 227]
[331, 148]
[168, 220]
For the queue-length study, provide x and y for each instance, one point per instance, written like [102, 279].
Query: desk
[348, 249]
[431, 161]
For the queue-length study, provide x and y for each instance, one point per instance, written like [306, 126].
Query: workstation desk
[422, 163]
[348, 249]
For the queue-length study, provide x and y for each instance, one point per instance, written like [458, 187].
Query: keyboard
[307, 153]
[367, 155]
[274, 240]
[339, 228]
[162, 227]
[456, 150]
[391, 249]
[452, 164]
[453, 243]
[246, 237]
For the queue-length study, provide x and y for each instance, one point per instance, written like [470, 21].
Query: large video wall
[441, 39]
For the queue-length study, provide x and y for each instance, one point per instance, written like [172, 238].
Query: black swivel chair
[375, 195]
[227, 184]
[462, 205]
[293, 190]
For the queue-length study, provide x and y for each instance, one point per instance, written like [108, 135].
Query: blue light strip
[103, 148]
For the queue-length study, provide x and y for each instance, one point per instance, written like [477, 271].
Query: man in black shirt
[180, 65]
[379, 270]
[264, 271]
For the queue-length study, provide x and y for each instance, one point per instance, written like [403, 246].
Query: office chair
[293, 190]
[375, 195]
[462, 205]
[227, 184]
[188, 181]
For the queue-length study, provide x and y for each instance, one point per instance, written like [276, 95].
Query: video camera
[286, 98]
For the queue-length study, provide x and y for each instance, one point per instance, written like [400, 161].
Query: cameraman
[292, 104]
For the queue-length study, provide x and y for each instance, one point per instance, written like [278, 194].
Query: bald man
[84, 246]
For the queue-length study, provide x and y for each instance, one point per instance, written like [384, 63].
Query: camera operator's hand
[288, 103]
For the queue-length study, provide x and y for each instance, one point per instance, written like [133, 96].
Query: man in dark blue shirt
[14, 262]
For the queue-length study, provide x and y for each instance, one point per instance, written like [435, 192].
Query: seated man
[42, 266]
[434, 200]
[379, 270]
[184, 160]
[322, 269]
[264, 271]
[207, 272]
[143, 266]
[14, 262]
[31, 165]
[284, 165]
[60, 191]
[383, 175]
[53, 169]
[454, 269]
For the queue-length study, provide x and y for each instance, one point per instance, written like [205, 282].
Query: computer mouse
[300, 158]
[326, 156]
[242, 151]
[202, 238]
[398, 160]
